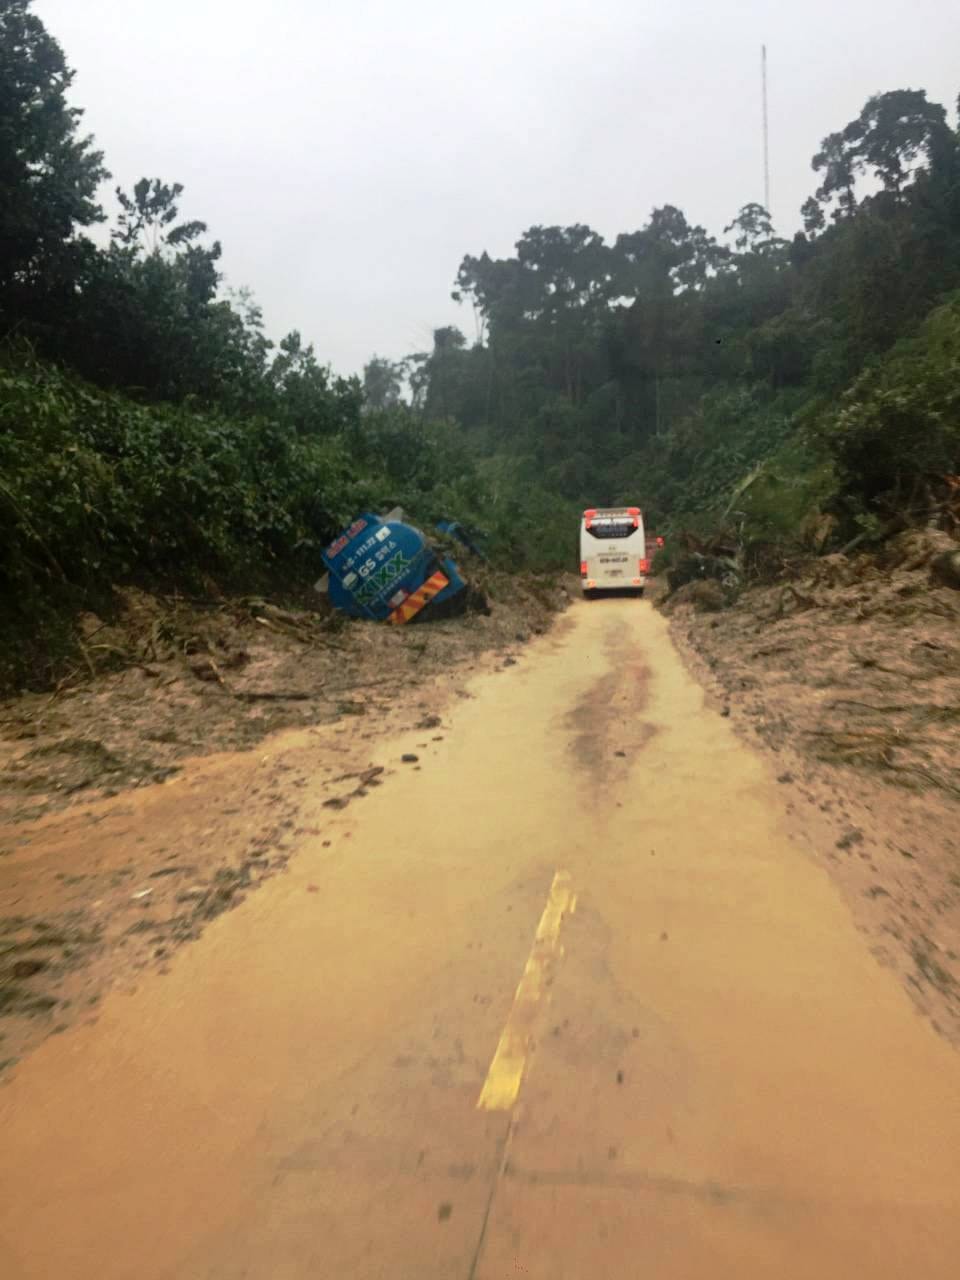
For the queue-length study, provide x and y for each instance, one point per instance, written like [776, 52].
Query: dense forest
[816, 376]
[150, 430]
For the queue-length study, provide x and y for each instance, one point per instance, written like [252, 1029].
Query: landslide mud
[139, 805]
[849, 678]
[721, 1081]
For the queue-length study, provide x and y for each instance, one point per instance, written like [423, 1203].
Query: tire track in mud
[607, 722]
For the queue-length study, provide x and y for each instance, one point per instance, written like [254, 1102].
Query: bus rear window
[612, 528]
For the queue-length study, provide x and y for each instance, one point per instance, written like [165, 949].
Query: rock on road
[564, 1002]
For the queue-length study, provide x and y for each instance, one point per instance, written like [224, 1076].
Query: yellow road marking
[502, 1084]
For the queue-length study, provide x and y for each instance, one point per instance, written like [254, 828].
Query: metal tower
[766, 136]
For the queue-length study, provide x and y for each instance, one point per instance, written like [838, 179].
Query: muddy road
[564, 997]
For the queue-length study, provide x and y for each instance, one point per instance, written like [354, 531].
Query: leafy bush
[900, 420]
[784, 495]
[97, 489]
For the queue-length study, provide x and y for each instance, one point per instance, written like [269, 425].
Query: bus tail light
[644, 566]
[583, 568]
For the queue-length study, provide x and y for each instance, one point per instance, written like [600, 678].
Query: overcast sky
[348, 153]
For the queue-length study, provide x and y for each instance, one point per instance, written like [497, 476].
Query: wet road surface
[564, 1002]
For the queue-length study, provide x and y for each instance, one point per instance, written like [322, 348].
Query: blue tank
[386, 570]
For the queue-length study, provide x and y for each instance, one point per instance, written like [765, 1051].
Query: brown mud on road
[608, 727]
[514, 1012]
[136, 807]
[850, 676]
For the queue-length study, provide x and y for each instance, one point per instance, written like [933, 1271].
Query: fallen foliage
[165, 677]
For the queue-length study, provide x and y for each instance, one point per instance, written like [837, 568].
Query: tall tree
[893, 131]
[49, 171]
[148, 217]
[838, 163]
[382, 383]
[752, 230]
[666, 255]
[147, 311]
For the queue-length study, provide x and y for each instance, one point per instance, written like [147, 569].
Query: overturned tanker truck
[385, 569]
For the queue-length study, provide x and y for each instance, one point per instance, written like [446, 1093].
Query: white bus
[613, 550]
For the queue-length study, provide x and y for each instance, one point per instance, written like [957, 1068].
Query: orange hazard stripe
[417, 599]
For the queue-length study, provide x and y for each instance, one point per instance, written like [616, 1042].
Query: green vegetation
[150, 431]
[97, 489]
[781, 378]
